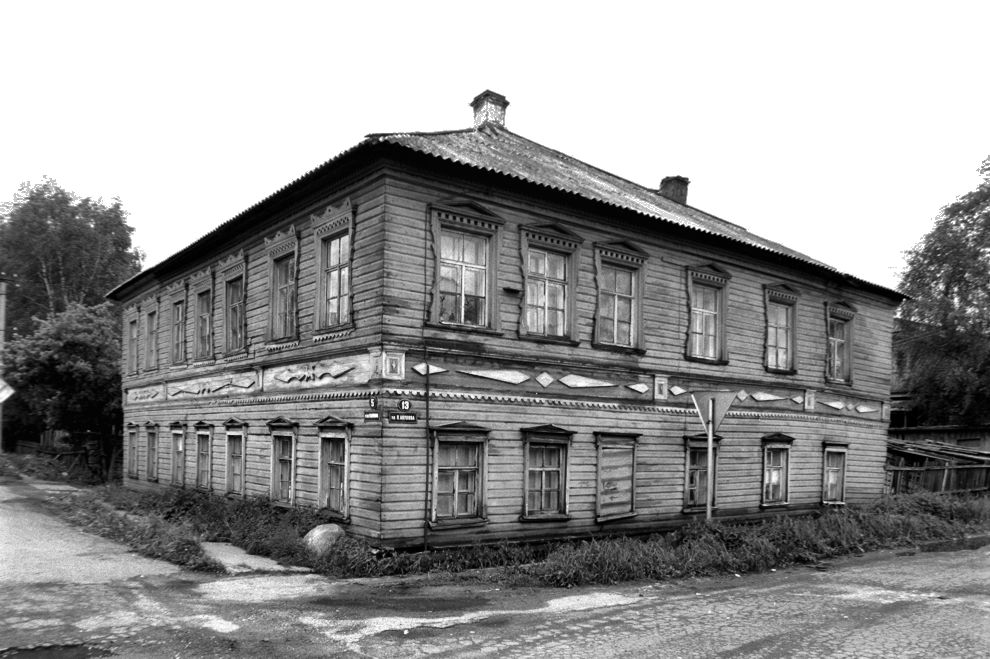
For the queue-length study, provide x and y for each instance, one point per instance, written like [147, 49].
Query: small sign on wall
[402, 417]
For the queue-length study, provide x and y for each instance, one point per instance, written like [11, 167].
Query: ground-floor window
[834, 473]
[776, 464]
[459, 476]
[698, 471]
[235, 463]
[203, 461]
[616, 475]
[283, 468]
[545, 465]
[178, 457]
[333, 480]
[132, 457]
[152, 434]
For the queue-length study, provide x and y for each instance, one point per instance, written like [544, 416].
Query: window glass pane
[556, 265]
[537, 262]
[623, 282]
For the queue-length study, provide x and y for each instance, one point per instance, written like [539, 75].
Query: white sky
[839, 129]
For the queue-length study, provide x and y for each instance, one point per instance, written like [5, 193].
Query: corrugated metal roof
[496, 149]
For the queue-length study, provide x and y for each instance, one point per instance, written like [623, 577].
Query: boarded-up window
[235, 463]
[834, 476]
[616, 475]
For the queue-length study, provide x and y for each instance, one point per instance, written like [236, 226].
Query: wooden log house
[443, 338]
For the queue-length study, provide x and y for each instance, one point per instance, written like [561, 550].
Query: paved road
[87, 596]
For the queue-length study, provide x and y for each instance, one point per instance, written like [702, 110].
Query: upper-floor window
[178, 331]
[335, 280]
[234, 317]
[706, 326]
[550, 255]
[838, 356]
[466, 272]
[781, 335]
[620, 293]
[282, 251]
[132, 346]
[204, 325]
[151, 340]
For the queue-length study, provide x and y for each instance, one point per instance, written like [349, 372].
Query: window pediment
[282, 242]
[777, 438]
[710, 272]
[332, 219]
[548, 429]
[842, 310]
[331, 422]
[234, 422]
[781, 293]
[232, 265]
[463, 206]
[282, 423]
[553, 236]
[461, 427]
[622, 251]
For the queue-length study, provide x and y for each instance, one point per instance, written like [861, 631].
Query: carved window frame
[234, 427]
[776, 444]
[834, 448]
[557, 240]
[150, 314]
[713, 277]
[782, 295]
[178, 348]
[132, 334]
[281, 247]
[200, 285]
[230, 269]
[332, 430]
[622, 257]
[547, 437]
[334, 223]
[152, 457]
[281, 429]
[844, 314]
[464, 435]
[695, 444]
[607, 442]
[472, 220]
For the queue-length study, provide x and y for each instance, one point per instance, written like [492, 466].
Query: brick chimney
[489, 108]
[675, 188]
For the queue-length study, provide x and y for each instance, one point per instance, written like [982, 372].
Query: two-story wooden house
[457, 336]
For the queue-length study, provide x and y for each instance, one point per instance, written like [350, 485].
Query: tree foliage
[57, 249]
[945, 330]
[68, 372]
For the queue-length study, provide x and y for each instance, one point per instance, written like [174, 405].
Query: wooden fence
[942, 478]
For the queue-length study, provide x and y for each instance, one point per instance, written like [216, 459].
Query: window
[616, 476]
[834, 473]
[550, 255]
[546, 472]
[132, 346]
[204, 325]
[152, 434]
[284, 297]
[838, 358]
[463, 278]
[234, 317]
[781, 339]
[203, 456]
[619, 278]
[333, 465]
[776, 456]
[151, 340]
[698, 472]
[178, 457]
[706, 327]
[466, 272]
[458, 478]
[335, 280]
[178, 331]
[283, 481]
[235, 463]
[132, 456]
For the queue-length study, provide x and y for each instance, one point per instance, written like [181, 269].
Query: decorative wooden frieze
[232, 265]
[621, 251]
[677, 391]
[834, 404]
[202, 278]
[212, 386]
[423, 368]
[809, 400]
[798, 399]
[762, 397]
[145, 394]
[742, 395]
[330, 336]
[580, 382]
[552, 235]
[866, 409]
[545, 379]
[326, 373]
[511, 377]
[660, 385]
[274, 347]
[885, 411]
[639, 387]
[332, 219]
[282, 242]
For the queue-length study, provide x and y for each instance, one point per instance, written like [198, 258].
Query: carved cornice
[233, 265]
[333, 219]
[282, 242]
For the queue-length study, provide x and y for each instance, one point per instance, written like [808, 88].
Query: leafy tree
[945, 330]
[57, 249]
[68, 372]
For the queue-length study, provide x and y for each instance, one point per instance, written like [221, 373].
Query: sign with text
[402, 417]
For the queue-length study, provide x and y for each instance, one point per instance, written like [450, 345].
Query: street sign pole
[711, 407]
[710, 481]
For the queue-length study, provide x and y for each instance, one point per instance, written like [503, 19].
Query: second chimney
[489, 108]
[675, 188]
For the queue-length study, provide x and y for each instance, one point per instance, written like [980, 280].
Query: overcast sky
[839, 129]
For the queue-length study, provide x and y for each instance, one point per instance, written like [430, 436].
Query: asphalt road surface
[64, 593]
